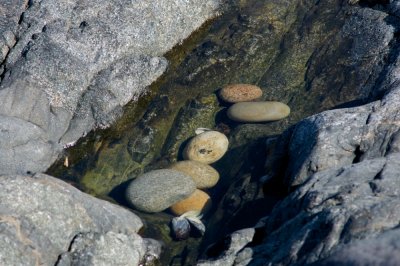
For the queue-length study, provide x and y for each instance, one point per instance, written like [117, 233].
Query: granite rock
[381, 250]
[41, 218]
[340, 167]
[77, 63]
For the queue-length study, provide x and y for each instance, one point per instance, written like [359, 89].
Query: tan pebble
[235, 93]
[203, 175]
[207, 147]
[258, 111]
[198, 201]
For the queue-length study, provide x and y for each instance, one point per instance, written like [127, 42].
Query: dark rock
[340, 166]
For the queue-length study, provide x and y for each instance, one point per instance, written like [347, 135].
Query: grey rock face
[237, 241]
[42, 218]
[69, 66]
[110, 248]
[157, 190]
[382, 250]
[342, 167]
[11, 12]
[332, 208]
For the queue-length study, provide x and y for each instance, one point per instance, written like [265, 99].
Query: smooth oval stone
[258, 111]
[202, 174]
[207, 147]
[198, 201]
[157, 190]
[235, 93]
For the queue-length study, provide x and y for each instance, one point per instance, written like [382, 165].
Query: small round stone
[235, 93]
[258, 111]
[157, 190]
[198, 201]
[207, 147]
[202, 174]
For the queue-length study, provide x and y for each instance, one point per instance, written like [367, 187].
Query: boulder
[45, 221]
[77, 63]
[340, 168]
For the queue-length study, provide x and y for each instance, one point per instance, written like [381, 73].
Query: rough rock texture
[236, 242]
[348, 195]
[105, 249]
[42, 218]
[11, 12]
[69, 66]
[311, 55]
[383, 250]
[342, 169]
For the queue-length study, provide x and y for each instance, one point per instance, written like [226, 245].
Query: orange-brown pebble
[198, 201]
[203, 175]
[235, 93]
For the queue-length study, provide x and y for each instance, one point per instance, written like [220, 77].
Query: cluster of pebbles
[247, 109]
[180, 187]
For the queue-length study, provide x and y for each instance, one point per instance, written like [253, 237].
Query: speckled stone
[235, 93]
[198, 201]
[207, 147]
[258, 111]
[203, 175]
[157, 190]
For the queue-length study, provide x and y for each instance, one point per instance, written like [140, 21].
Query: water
[268, 43]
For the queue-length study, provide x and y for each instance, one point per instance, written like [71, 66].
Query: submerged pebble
[198, 201]
[157, 190]
[207, 147]
[235, 93]
[182, 225]
[258, 111]
[203, 175]
[181, 228]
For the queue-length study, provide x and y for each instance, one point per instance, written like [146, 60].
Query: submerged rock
[157, 190]
[182, 225]
[207, 147]
[203, 175]
[198, 201]
[235, 93]
[258, 111]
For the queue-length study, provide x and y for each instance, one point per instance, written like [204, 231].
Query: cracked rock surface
[341, 168]
[67, 67]
[44, 221]
[70, 66]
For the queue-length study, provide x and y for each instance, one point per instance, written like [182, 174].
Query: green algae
[278, 45]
